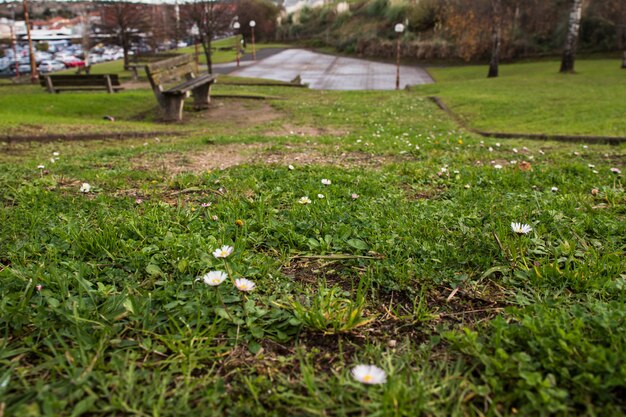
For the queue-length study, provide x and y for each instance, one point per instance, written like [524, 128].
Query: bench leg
[172, 108]
[202, 96]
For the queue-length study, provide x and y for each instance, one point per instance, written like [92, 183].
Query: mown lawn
[406, 261]
[535, 98]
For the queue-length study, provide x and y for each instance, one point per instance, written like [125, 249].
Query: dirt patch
[311, 270]
[243, 113]
[291, 130]
[229, 155]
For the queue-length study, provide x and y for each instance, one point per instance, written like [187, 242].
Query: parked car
[50, 66]
[95, 59]
[74, 62]
[24, 69]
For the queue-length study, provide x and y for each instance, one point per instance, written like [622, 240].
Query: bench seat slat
[190, 85]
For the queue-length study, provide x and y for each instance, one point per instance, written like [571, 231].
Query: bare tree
[212, 18]
[124, 21]
[573, 25]
[496, 37]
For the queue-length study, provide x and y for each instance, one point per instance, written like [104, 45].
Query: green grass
[223, 56]
[408, 262]
[535, 98]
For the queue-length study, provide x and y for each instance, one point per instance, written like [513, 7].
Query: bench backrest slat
[175, 74]
[169, 63]
[169, 71]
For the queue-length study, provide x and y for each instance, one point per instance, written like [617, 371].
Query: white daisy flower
[320, 196]
[304, 200]
[326, 181]
[244, 284]
[354, 196]
[591, 165]
[214, 278]
[41, 166]
[497, 166]
[541, 152]
[85, 188]
[521, 229]
[554, 189]
[616, 171]
[490, 149]
[291, 167]
[369, 374]
[498, 145]
[55, 154]
[515, 150]
[223, 252]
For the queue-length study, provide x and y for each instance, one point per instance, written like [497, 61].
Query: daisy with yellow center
[223, 252]
[520, 228]
[244, 284]
[369, 374]
[214, 278]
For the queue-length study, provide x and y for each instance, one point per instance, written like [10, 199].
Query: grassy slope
[120, 327]
[535, 98]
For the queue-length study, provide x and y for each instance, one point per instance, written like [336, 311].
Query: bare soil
[229, 155]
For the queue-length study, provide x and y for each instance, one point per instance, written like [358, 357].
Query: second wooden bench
[58, 83]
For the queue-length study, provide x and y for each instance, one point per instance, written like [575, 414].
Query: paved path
[329, 72]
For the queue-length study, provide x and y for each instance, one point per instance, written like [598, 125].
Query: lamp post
[33, 64]
[252, 25]
[237, 26]
[195, 32]
[399, 28]
[14, 41]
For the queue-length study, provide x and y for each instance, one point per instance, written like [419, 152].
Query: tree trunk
[567, 63]
[125, 48]
[206, 45]
[624, 61]
[209, 58]
[496, 9]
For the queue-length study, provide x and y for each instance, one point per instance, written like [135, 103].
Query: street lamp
[252, 25]
[195, 32]
[33, 64]
[399, 28]
[237, 26]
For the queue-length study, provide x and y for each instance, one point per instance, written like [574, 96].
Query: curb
[9, 139]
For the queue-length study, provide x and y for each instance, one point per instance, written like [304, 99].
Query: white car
[95, 59]
[50, 66]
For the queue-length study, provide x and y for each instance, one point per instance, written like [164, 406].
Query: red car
[74, 62]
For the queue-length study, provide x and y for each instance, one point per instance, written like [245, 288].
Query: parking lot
[57, 57]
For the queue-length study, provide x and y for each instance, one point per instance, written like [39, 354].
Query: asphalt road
[328, 72]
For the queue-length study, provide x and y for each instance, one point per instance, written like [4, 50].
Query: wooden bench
[58, 83]
[163, 74]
